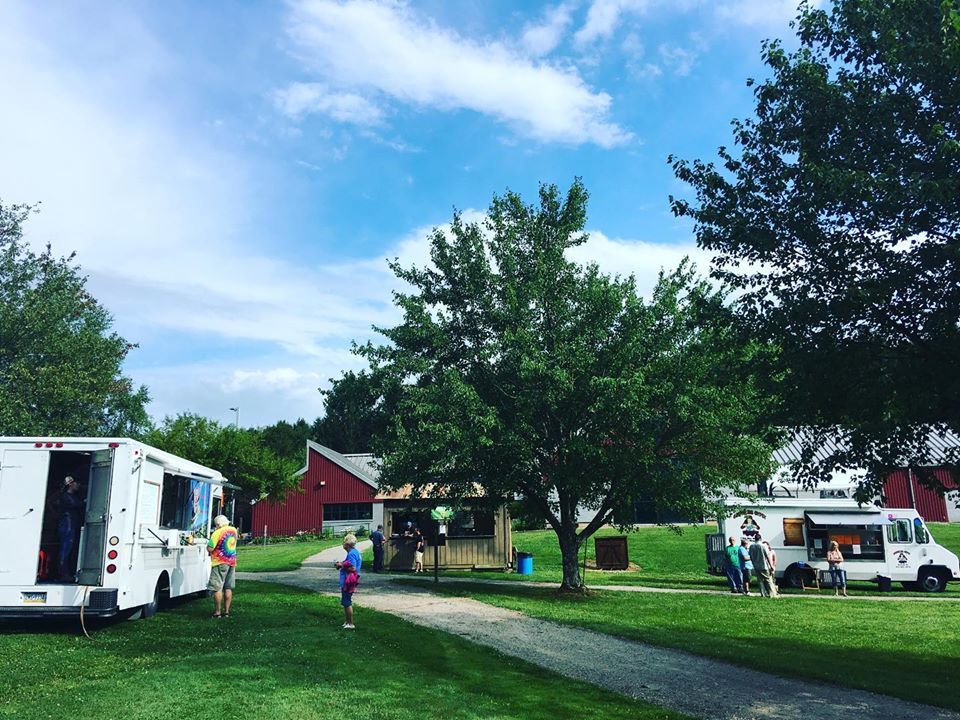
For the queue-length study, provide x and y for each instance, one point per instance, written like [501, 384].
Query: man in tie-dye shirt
[223, 559]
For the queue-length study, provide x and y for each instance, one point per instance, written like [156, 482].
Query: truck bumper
[47, 601]
[40, 613]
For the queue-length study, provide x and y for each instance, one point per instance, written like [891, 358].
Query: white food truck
[137, 533]
[882, 545]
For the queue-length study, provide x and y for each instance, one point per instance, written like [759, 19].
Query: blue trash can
[524, 563]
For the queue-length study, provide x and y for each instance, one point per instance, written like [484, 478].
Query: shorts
[418, 558]
[746, 572]
[221, 578]
[346, 598]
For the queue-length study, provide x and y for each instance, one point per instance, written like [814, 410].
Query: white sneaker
[349, 627]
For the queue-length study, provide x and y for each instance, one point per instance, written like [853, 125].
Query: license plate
[34, 598]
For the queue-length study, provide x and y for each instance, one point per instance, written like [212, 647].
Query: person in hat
[349, 569]
[70, 505]
[379, 540]
[222, 548]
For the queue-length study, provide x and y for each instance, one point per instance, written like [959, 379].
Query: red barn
[337, 492]
[903, 489]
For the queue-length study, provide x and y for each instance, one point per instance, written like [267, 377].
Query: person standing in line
[349, 569]
[746, 565]
[732, 567]
[70, 505]
[837, 573]
[762, 567]
[222, 548]
[378, 540]
[773, 567]
[418, 549]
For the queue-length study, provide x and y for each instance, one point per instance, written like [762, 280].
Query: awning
[849, 518]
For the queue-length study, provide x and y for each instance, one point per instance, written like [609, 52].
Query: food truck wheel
[932, 580]
[150, 609]
[795, 576]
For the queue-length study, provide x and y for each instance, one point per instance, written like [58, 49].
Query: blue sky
[233, 175]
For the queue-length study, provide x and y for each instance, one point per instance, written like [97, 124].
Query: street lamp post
[233, 466]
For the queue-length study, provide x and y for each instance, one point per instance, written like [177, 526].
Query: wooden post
[436, 563]
[583, 575]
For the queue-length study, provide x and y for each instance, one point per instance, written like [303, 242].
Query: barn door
[93, 547]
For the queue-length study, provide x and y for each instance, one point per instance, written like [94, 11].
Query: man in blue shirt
[378, 540]
[349, 569]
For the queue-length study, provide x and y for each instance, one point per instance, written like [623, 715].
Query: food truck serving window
[185, 503]
[857, 542]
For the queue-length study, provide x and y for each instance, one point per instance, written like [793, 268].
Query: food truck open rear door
[95, 521]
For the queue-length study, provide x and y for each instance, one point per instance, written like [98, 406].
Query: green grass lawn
[281, 655]
[281, 556]
[665, 559]
[907, 649]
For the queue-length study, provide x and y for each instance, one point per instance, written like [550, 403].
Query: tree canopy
[288, 440]
[239, 453]
[837, 219]
[520, 372]
[60, 362]
[355, 411]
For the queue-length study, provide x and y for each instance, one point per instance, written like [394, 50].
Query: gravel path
[695, 685]
[827, 593]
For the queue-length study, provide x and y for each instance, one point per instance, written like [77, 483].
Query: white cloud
[604, 16]
[760, 12]
[642, 259]
[541, 39]
[377, 47]
[299, 99]
[679, 59]
[282, 378]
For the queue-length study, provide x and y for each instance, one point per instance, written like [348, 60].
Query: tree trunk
[569, 552]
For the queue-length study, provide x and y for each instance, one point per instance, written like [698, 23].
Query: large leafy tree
[60, 362]
[287, 440]
[837, 217]
[241, 454]
[521, 372]
[355, 411]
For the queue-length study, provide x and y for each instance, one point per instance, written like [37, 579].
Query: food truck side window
[793, 531]
[175, 502]
[899, 531]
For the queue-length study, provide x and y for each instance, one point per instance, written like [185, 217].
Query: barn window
[347, 511]
[471, 523]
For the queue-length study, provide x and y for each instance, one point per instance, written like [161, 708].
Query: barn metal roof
[940, 446]
[366, 462]
[354, 468]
